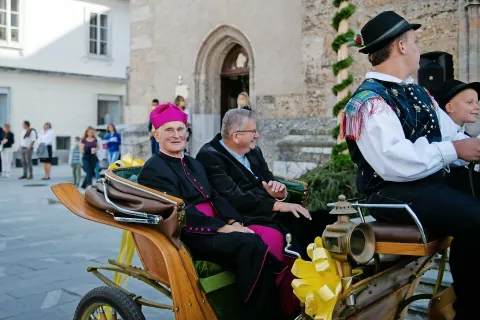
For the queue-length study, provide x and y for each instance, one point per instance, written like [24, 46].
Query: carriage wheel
[104, 303]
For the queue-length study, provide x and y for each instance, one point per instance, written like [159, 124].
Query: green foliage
[336, 3]
[339, 106]
[327, 183]
[341, 39]
[342, 64]
[343, 85]
[345, 13]
[336, 132]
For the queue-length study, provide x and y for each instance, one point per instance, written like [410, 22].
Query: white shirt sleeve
[395, 158]
[47, 137]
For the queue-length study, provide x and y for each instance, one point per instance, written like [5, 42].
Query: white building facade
[65, 62]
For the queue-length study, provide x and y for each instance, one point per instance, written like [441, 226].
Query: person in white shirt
[403, 144]
[46, 140]
[28, 138]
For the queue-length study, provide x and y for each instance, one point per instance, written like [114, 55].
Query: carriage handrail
[393, 206]
[152, 219]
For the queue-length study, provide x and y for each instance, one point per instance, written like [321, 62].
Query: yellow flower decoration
[319, 284]
[127, 161]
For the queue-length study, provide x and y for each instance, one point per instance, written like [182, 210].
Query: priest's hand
[236, 227]
[468, 149]
[276, 189]
[294, 208]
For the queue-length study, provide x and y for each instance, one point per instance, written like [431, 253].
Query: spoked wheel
[107, 303]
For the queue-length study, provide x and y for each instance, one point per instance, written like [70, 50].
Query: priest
[214, 231]
[404, 144]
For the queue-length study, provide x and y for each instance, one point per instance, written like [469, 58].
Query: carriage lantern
[347, 241]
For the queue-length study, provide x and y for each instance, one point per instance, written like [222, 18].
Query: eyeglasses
[254, 131]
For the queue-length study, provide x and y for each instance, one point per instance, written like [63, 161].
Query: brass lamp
[347, 241]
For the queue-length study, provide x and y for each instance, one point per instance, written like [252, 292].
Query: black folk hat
[382, 29]
[451, 88]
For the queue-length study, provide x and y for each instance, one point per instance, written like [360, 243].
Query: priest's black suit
[244, 253]
[245, 192]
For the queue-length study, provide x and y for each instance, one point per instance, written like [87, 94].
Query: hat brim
[378, 44]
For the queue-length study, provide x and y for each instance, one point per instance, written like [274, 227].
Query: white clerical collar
[387, 77]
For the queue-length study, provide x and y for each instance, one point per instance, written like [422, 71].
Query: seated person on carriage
[403, 144]
[460, 101]
[213, 230]
[238, 171]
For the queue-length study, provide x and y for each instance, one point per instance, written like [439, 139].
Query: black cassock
[244, 253]
[244, 190]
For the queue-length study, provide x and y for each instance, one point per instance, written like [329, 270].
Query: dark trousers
[305, 231]
[154, 145]
[246, 255]
[443, 203]
[89, 168]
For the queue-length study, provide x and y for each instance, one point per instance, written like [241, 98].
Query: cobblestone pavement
[45, 251]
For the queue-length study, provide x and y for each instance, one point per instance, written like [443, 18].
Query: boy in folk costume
[403, 144]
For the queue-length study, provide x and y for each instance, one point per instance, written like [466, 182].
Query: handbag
[127, 201]
[42, 151]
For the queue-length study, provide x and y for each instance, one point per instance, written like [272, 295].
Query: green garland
[341, 39]
[341, 104]
[343, 85]
[345, 13]
[342, 64]
[335, 132]
[336, 3]
[337, 176]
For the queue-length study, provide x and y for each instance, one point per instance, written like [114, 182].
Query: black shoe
[22, 177]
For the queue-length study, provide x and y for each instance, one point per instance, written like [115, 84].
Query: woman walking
[114, 141]
[7, 150]
[46, 140]
[88, 147]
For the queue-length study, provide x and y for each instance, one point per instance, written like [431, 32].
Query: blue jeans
[88, 165]
[112, 156]
[96, 170]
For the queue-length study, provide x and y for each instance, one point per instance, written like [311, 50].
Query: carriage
[383, 262]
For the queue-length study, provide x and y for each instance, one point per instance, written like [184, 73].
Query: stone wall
[439, 32]
[291, 75]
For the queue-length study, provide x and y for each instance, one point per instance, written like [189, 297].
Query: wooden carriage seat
[403, 239]
[163, 262]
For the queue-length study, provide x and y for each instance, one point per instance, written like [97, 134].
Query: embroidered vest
[413, 107]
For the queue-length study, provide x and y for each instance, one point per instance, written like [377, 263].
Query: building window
[98, 34]
[109, 109]
[63, 143]
[10, 21]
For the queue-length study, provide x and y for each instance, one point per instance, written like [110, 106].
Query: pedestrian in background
[75, 161]
[182, 105]
[45, 149]
[243, 101]
[7, 150]
[88, 148]
[2, 135]
[29, 136]
[151, 129]
[114, 140]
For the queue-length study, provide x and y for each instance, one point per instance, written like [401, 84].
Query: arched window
[236, 62]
